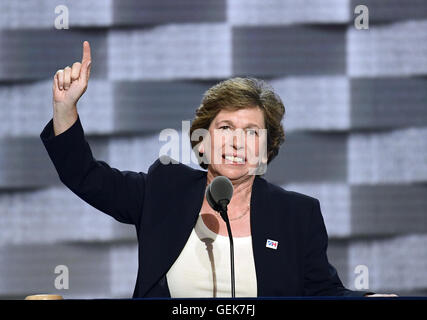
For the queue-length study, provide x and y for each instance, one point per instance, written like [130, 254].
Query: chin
[232, 172]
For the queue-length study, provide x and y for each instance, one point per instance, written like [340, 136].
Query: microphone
[218, 195]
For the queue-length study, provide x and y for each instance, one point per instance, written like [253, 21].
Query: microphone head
[219, 192]
[210, 200]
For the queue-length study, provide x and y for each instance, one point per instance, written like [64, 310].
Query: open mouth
[234, 159]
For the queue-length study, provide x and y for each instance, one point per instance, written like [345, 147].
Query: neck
[242, 189]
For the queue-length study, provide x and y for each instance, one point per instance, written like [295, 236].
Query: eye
[252, 132]
[225, 127]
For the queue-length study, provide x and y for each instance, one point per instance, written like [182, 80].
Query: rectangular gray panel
[95, 270]
[142, 12]
[397, 49]
[310, 157]
[388, 102]
[54, 215]
[294, 50]
[38, 54]
[393, 10]
[278, 12]
[315, 102]
[156, 105]
[174, 51]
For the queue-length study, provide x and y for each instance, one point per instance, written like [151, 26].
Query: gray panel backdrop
[356, 125]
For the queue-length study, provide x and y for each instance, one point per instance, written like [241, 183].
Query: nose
[239, 140]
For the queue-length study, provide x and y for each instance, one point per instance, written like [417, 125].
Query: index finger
[86, 52]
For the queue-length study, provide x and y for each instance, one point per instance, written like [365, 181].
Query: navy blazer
[164, 204]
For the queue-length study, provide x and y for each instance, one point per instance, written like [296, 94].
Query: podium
[44, 297]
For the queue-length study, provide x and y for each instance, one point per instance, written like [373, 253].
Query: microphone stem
[230, 236]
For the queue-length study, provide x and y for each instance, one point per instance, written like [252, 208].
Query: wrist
[64, 119]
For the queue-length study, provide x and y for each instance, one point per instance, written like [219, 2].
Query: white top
[203, 266]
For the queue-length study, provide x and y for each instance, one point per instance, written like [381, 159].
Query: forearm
[63, 119]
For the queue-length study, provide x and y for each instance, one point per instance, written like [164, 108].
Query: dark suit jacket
[164, 204]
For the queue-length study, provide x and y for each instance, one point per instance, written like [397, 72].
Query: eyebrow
[249, 125]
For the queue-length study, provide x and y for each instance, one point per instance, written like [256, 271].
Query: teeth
[234, 159]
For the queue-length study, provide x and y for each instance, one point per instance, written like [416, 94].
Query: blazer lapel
[264, 226]
[276, 268]
[259, 228]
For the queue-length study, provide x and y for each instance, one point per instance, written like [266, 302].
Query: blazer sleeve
[320, 277]
[119, 194]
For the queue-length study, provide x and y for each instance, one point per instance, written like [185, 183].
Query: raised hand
[69, 84]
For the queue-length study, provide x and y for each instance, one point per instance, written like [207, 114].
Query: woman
[280, 237]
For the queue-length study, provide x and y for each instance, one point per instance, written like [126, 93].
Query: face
[236, 143]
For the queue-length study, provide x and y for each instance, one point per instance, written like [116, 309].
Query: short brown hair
[239, 93]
